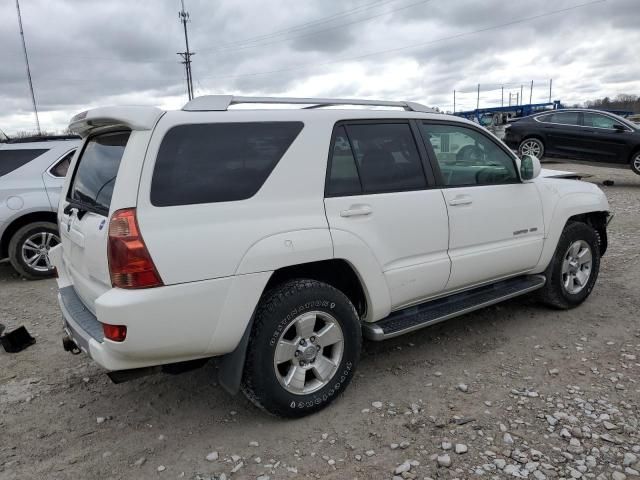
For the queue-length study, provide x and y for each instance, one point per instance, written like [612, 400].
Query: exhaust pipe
[70, 346]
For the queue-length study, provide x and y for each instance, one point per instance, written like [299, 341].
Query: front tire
[304, 348]
[531, 146]
[29, 249]
[574, 268]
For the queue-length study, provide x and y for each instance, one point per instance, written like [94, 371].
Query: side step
[435, 311]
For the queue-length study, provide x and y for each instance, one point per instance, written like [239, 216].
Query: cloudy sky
[86, 53]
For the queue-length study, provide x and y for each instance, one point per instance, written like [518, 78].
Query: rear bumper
[167, 324]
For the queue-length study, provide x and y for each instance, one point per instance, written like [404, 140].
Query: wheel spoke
[581, 278]
[575, 248]
[43, 239]
[565, 267]
[29, 245]
[46, 261]
[295, 378]
[323, 368]
[33, 261]
[285, 351]
[305, 325]
[328, 335]
[584, 256]
[49, 238]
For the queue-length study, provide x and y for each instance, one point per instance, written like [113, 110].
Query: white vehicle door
[53, 177]
[380, 190]
[84, 222]
[495, 220]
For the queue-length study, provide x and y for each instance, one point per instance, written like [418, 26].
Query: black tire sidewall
[537, 140]
[15, 249]
[574, 232]
[315, 296]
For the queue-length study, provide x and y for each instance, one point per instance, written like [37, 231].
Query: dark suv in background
[588, 135]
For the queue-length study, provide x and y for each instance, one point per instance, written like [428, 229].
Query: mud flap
[231, 365]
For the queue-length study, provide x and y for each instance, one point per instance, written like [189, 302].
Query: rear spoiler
[134, 118]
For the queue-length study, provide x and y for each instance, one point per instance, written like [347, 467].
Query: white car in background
[274, 239]
[32, 172]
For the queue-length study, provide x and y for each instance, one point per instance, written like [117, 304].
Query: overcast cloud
[86, 53]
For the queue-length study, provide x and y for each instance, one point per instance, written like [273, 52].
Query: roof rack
[223, 102]
[42, 138]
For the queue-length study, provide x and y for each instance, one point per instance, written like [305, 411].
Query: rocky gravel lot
[515, 390]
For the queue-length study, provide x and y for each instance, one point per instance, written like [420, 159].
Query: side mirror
[529, 167]
[618, 128]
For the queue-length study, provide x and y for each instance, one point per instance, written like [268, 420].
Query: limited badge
[101, 226]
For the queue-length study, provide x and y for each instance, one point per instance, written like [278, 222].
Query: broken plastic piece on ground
[17, 340]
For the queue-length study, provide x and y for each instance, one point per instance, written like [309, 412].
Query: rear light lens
[115, 333]
[130, 264]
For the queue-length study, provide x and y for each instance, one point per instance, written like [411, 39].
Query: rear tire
[29, 249]
[531, 146]
[635, 162]
[573, 270]
[304, 348]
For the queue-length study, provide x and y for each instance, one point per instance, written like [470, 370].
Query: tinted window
[343, 176]
[61, 168]
[468, 157]
[387, 157]
[97, 169]
[544, 118]
[218, 162]
[11, 160]
[565, 118]
[599, 121]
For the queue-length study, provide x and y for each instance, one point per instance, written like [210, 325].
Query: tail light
[115, 333]
[130, 264]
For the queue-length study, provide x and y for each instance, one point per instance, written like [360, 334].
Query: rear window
[95, 175]
[218, 162]
[11, 160]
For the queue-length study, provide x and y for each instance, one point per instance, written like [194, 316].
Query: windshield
[95, 175]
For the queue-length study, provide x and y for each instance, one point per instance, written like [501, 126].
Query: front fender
[560, 205]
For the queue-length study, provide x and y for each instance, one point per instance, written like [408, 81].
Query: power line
[415, 45]
[26, 61]
[309, 24]
[335, 27]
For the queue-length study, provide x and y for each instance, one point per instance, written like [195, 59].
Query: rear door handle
[356, 211]
[461, 200]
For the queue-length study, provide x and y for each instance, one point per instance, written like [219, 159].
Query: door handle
[461, 200]
[356, 211]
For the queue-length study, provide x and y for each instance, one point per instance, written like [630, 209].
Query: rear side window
[97, 169]
[218, 162]
[382, 157]
[11, 160]
[565, 118]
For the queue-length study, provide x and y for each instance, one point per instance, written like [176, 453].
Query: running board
[435, 311]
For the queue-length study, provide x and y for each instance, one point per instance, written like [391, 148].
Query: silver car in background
[32, 171]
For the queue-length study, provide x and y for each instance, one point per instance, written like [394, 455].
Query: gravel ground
[512, 390]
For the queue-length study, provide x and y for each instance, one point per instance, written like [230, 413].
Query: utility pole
[520, 97]
[478, 102]
[454, 101]
[186, 56]
[531, 92]
[550, 84]
[502, 96]
[26, 61]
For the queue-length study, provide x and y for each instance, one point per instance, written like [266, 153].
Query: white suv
[276, 238]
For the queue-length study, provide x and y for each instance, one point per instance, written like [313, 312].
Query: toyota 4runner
[276, 239]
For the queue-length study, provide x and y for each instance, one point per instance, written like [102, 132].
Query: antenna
[186, 56]
[26, 61]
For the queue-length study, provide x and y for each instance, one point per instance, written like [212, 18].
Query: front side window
[61, 168]
[599, 121]
[218, 162]
[468, 157]
[97, 169]
[11, 160]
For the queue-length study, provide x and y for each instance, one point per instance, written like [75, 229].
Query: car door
[563, 133]
[495, 221]
[602, 142]
[53, 177]
[380, 190]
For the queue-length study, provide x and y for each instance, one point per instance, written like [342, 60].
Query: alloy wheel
[308, 352]
[576, 267]
[35, 251]
[531, 147]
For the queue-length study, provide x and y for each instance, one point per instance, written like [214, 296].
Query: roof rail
[223, 102]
